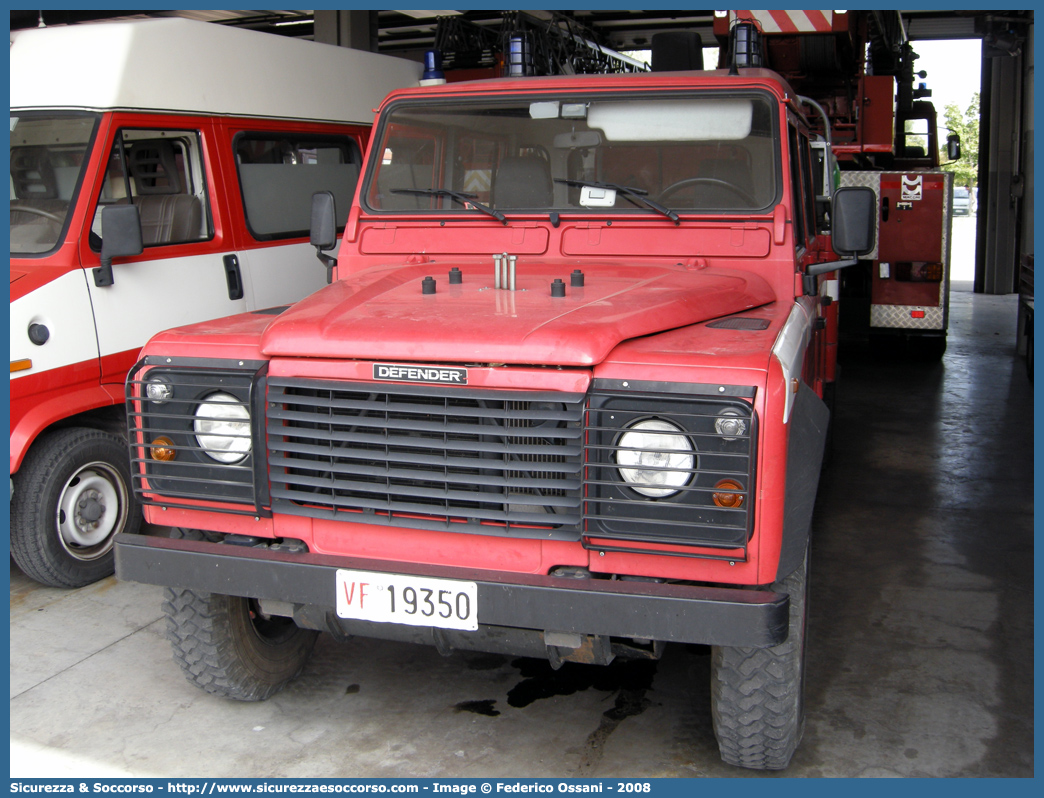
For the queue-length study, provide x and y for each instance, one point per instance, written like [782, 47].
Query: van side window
[160, 171]
[279, 173]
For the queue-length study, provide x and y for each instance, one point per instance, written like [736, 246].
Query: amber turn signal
[163, 449]
[732, 500]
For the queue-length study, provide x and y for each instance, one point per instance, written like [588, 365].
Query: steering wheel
[707, 181]
[38, 212]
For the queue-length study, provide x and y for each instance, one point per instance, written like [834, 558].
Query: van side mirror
[953, 147]
[853, 220]
[121, 238]
[323, 229]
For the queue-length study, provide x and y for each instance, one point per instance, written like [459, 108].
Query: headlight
[655, 458]
[222, 427]
[159, 390]
[730, 425]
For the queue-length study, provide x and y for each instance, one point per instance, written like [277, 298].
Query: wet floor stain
[482, 707]
[627, 679]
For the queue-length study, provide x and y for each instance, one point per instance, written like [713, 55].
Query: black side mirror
[323, 229]
[121, 238]
[853, 221]
[953, 147]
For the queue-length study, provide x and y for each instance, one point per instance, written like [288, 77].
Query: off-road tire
[68, 468]
[757, 694]
[226, 647]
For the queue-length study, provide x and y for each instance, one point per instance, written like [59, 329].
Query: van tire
[757, 694]
[72, 496]
[226, 647]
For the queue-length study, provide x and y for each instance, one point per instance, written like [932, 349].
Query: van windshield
[48, 155]
[575, 153]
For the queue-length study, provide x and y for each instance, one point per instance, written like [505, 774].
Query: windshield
[48, 154]
[578, 153]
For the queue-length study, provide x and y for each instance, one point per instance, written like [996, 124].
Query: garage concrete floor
[920, 659]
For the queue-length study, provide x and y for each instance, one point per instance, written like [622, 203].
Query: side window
[808, 185]
[822, 178]
[798, 211]
[279, 173]
[913, 139]
[160, 171]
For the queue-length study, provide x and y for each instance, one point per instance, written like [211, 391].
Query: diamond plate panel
[944, 297]
[871, 179]
[897, 317]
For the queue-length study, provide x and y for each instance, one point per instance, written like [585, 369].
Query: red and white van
[217, 138]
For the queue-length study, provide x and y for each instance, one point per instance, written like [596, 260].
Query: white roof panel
[185, 65]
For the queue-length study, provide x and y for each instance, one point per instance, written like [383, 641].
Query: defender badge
[398, 372]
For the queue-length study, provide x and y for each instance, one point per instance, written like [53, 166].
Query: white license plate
[412, 600]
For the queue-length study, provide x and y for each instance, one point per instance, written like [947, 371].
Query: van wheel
[757, 694]
[226, 646]
[71, 498]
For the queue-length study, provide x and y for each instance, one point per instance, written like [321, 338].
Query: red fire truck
[563, 399]
[857, 69]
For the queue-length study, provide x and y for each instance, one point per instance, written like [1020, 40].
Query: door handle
[233, 277]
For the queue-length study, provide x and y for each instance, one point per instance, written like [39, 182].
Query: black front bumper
[613, 608]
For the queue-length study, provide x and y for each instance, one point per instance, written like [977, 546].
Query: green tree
[966, 125]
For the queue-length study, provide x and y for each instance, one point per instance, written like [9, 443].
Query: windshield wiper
[637, 195]
[459, 196]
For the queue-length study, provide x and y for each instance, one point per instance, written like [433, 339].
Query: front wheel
[225, 645]
[71, 497]
[757, 694]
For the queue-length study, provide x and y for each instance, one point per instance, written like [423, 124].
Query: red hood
[381, 314]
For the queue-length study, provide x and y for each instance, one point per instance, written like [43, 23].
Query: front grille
[454, 459]
[615, 512]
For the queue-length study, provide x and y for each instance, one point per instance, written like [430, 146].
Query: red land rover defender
[563, 399]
